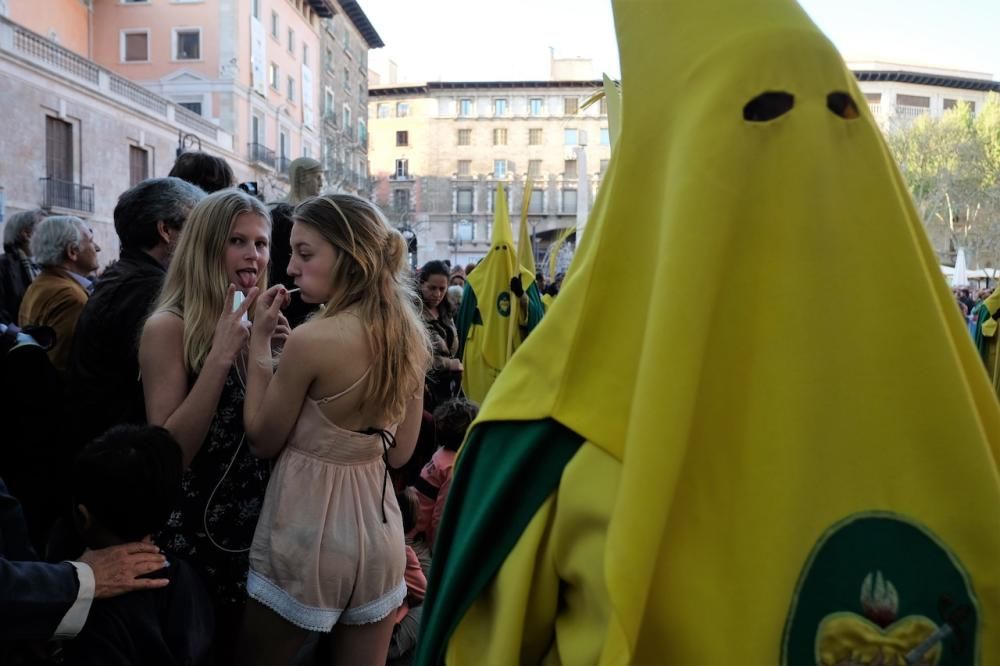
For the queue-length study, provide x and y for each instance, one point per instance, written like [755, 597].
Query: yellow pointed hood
[489, 343]
[757, 386]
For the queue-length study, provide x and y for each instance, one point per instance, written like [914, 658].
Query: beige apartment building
[437, 151]
[104, 93]
[249, 66]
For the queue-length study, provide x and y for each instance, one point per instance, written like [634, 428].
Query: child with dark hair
[124, 486]
[451, 421]
[404, 634]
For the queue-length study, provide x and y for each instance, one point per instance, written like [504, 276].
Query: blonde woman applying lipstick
[192, 357]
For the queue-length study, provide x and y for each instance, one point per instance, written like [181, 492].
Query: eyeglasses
[250, 187]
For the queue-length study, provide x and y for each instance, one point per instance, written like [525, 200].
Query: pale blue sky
[477, 40]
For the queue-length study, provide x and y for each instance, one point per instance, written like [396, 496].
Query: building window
[291, 41]
[465, 107]
[291, 89]
[537, 204]
[305, 54]
[534, 168]
[187, 44]
[605, 137]
[569, 169]
[604, 106]
[464, 137]
[401, 201]
[383, 110]
[274, 24]
[135, 46]
[347, 118]
[570, 106]
[362, 133]
[256, 9]
[402, 168]
[256, 123]
[953, 104]
[569, 201]
[535, 137]
[500, 106]
[272, 76]
[604, 166]
[402, 138]
[138, 165]
[402, 109]
[361, 92]
[328, 100]
[284, 144]
[918, 101]
[873, 98]
[328, 61]
[500, 136]
[464, 167]
[58, 149]
[571, 137]
[194, 107]
[347, 79]
[464, 230]
[463, 201]
[499, 168]
[536, 105]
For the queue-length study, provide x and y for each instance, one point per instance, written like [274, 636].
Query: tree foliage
[952, 167]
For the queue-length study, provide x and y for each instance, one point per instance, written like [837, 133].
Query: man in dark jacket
[17, 270]
[103, 371]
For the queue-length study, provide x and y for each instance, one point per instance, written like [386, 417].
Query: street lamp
[186, 141]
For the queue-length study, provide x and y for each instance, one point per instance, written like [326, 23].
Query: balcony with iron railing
[258, 153]
[65, 194]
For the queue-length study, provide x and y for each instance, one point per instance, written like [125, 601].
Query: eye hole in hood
[842, 105]
[768, 106]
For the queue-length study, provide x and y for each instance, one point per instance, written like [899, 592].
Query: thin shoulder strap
[331, 398]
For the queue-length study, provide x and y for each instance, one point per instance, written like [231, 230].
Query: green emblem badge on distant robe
[503, 304]
[881, 589]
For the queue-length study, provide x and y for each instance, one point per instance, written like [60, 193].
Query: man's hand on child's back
[117, 568]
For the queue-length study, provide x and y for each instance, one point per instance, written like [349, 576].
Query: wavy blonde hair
[372, 275]
[196, 283]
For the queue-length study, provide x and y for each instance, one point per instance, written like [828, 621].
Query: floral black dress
[222, 495]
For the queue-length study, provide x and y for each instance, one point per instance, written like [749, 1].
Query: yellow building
[436, 151]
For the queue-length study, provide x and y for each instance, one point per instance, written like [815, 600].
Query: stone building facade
[346, 39]
[438, 150]
[79, 134]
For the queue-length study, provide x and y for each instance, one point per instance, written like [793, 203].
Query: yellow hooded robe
[492, 321]
[733, 456]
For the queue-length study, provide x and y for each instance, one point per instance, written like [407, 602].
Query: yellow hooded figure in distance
[500, 306]
[735, 455]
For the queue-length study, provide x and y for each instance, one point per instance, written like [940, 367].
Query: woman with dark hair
[297, 310]
[444, 376]
[208, 172]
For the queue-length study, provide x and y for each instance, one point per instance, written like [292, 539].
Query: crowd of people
[233, 444]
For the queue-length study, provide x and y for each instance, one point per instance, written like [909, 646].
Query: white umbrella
[960, 277]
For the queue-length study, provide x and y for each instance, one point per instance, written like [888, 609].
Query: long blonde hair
[196, 283]
[371, 274]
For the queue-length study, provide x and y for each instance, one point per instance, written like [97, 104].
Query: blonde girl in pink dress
[344, 403]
